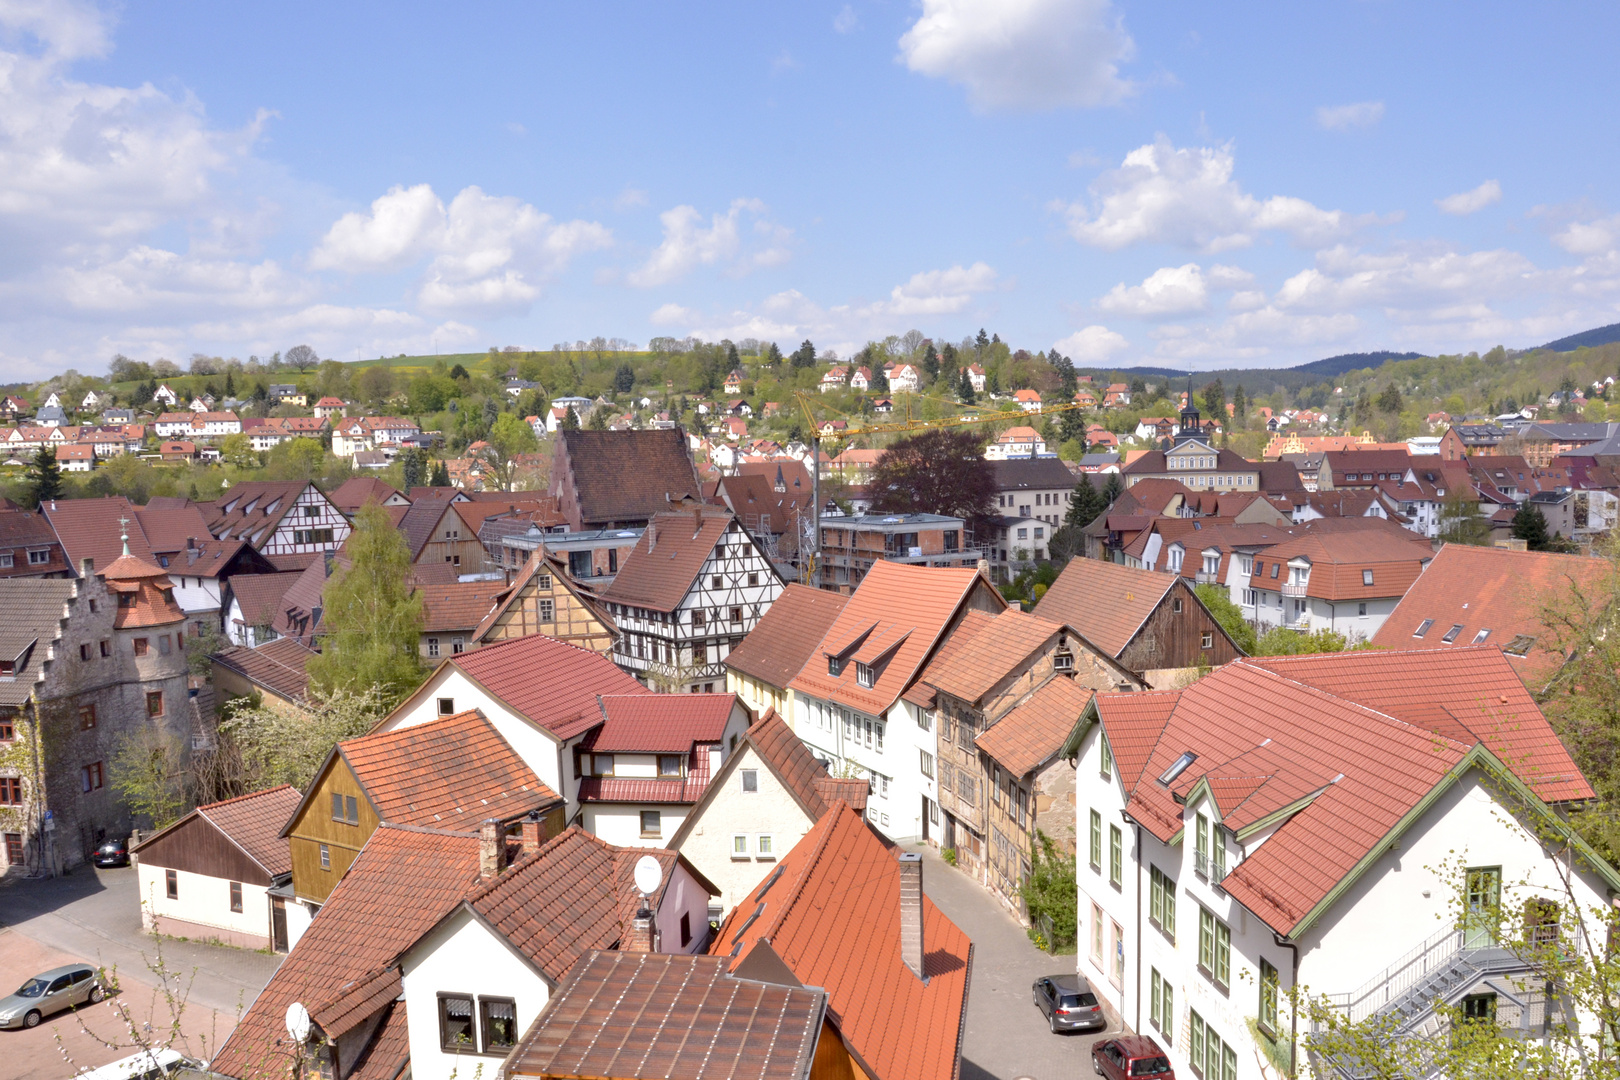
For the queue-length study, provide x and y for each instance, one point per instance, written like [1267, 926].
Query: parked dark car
[1068, 1003]
[49, 993]
[1130, 1056]
[113, 853]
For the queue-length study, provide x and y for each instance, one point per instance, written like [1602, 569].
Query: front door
[925, 819]
[1484, 885]
[278, 924]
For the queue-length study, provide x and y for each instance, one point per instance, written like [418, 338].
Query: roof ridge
[1368, 709]
[402, 827]
[249, 795]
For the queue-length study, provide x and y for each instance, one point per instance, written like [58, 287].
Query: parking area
[1007, 1036]
[94, 917]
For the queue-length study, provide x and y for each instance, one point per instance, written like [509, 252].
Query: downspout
[1293, 1012]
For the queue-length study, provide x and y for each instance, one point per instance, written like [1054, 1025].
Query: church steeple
[1190, 428]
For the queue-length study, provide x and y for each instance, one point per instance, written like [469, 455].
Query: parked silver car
[49, 993]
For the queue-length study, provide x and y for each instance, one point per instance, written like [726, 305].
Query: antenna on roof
[649, 875]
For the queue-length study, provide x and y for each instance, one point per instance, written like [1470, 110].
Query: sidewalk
[1006, 1036]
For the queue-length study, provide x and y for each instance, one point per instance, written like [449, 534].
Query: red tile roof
[999, 649]
[448, 773]
[660, 723]
[1496, 591]
[404, 881]
[624, 475]
[1314, 733]
[1032, 734]
[921, 693]
[664, 563]
[90, 528]
[893, 600]
[252, 509]
[652, 1016]
[459, 606]
[279, 666]
[831, 911]
[1340, 561]
[356, 491]
[168, 529]
[551, 683]
[1105, 602]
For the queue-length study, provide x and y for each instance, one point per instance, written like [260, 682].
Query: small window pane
[456, 1023]
[750, 779]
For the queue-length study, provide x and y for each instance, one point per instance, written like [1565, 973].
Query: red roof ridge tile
[244, 798]
[1248, 663]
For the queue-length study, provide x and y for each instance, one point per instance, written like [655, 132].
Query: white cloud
[1187, 198]
[938, 292]
[1343, 117]
[151, 281]
[1092, 345]
[630, 198]
[846, 21]
[1171, 290]
[1023, 54]
[689, 243]
[1472, 201]
[1589, 236]
[673, 314]
[1345, 279]
[402, 226]
[64, 29]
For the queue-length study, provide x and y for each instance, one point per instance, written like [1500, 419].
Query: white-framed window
[764, 847]
[863, 674]
[1366, 577]
[739, 845]
[1176, 553]
[447, 706]
[1248, 598]
[548, 611]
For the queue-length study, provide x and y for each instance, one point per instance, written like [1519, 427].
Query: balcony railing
[1207, 577]
[1291, 589]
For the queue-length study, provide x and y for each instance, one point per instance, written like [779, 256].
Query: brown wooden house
[544, 599]
[451, 773]
[1152, 623]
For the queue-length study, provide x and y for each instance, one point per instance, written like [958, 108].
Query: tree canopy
[940, 471]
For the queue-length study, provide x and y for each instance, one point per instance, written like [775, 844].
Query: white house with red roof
[1350, 823]
[905, 379]
[834, 378]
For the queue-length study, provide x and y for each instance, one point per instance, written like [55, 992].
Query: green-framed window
[1214, 947]
[1162, 902]
[1096, 841]
[1106, 756]
[1201, 845]
[1116, 856]
[1268, 997]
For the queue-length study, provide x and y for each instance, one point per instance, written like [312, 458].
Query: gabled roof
[1153, 461]
[34, 610]
[660, 723]
[665, 563]
[1340, 561]
[356, 491]
[1107, 603]
[1309, 738]
[252, 509]
[1031, 473]
[403, 882]
[1495, 592]
[831, 912]
[786, 636]
[655, 1016]
[995, 651]
[459, 606]
[260, 595]
[254, 822]
[551, 683]
[541, 561]
[421, 521]
[1033, 733]
[279, 666]
[452, 772]
[627, 475]
[90, 528]
[893, 599]
[921, 692]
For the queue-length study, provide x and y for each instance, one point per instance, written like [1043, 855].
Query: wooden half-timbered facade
[290, 518]
[543, 599]
[694, 585]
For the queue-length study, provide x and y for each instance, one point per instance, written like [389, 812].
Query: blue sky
[1170, 184]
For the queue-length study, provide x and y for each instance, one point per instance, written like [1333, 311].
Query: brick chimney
[642, 937]
[984, 568]
[534, 832]
[491, 849]
[911, 912]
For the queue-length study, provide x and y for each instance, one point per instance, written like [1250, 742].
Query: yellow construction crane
[909, 423]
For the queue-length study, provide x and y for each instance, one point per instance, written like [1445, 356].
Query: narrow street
[1007, 1037]
[93, 916]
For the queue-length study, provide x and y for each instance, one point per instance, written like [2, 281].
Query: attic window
[1366, 577]
[1520, 645]
[1063, 660]
[1479, 638]
[1275, 567]
[835, 666]
[1176, 768]
[1423, 628]
[1451, 635]
[863, 674]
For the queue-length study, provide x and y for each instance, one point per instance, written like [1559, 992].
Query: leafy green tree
[263, 746]
[1229, 615]
[1069, 380]
[459, 373]
[508, 438]
[1113, 488]
[238, 450]
[930, 364]
[981, 342]
[148, 773]
[1214, 403]
[570, 420]
[1461, 521]
[297, 459]
[44, 481]
[372, 618]
[1530, 525]
[1279, 641]
[772, 358]
[413, 467]
[938, 471]
[598, 420]
[1240, 406]
[964, 388]
[1052, 895]
[624, 379]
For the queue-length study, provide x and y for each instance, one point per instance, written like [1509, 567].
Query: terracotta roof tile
[995, 652]
[787, 756]
[832, 913]
[627, 475]
[894, 597]
[254, 821]
[447, 773]
[1133, 723]
[279, 666]
[34, 609]
[252, 509]
[461, 606]
[1033, 733]
[921, 693]
[1105, 602]
[388, 1053]
[89, 528]
[652, 1016]
[420, 521]
[1498, 593]
[663, 564]
[1340, 561]
[356, 491]
[551, 683]
[660, 723]
[404, 881]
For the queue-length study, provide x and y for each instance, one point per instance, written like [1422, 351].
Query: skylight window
[1479, 638]
[1366, 577]
[1423, 628]
[1176, 768]
[1451, 635]
[1520, 645]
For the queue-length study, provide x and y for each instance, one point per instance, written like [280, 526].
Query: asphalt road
[93, 916]
[1007, 1036]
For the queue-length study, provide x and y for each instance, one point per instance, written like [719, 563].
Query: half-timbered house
[543, 599]
[291, 520]
[693, 586]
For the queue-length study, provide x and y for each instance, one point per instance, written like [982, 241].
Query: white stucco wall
[620, 823]
[202, 901]
[299, 916]
[462, 956]
[683, 896]
[770, 810]
[1118, 906]
[894, 809]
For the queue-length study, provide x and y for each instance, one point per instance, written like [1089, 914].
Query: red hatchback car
[1131, 1056]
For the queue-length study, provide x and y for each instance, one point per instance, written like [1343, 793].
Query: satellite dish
[298, 1022]
[649, 874]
